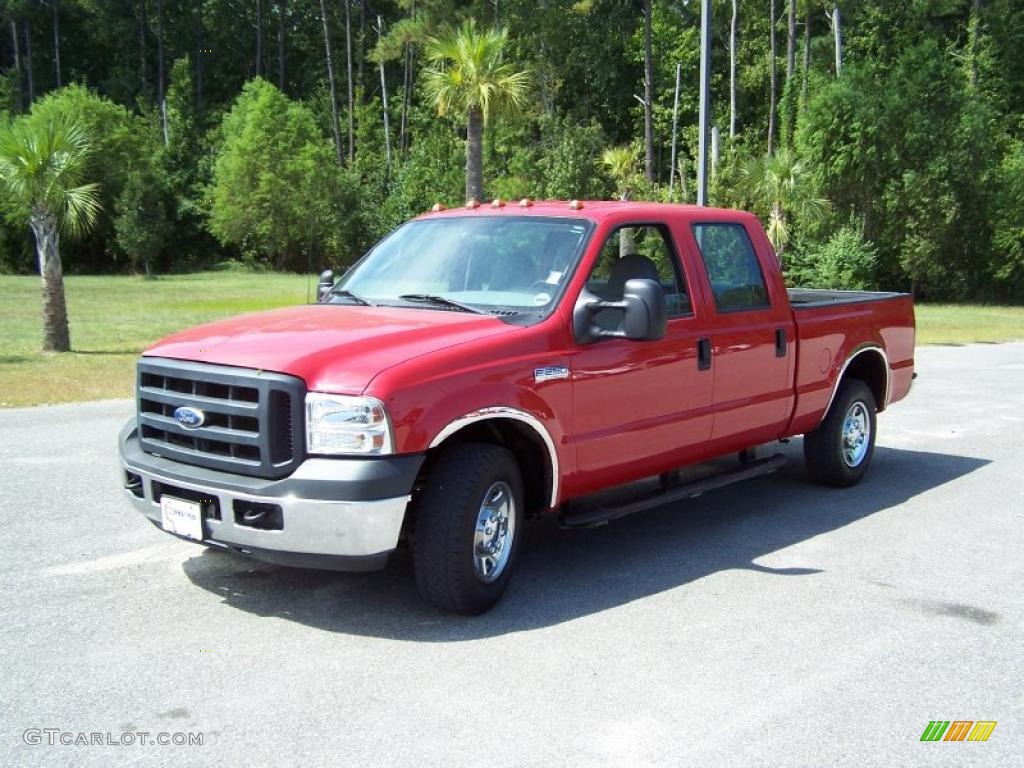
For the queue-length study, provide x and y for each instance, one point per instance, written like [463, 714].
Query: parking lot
[772, 623]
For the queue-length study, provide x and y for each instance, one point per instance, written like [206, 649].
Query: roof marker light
[497, 203]
[525, 202]
[472, 203]
[575, 205]
[439, 207]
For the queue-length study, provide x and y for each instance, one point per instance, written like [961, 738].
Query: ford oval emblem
[189, 418]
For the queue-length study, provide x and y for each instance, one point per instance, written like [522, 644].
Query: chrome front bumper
[356, 533]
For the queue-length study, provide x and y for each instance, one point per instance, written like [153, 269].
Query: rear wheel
[839, 451]
[468, 525]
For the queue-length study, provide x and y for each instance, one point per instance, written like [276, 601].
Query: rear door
[640, 407]
[751, 336]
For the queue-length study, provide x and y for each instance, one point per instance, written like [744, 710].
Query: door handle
[703, 354]
[780, 342]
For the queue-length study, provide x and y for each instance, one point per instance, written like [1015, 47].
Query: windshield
[484, 263]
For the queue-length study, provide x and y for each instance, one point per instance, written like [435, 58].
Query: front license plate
[184, 518]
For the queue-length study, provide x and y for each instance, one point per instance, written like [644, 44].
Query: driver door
[640, 407]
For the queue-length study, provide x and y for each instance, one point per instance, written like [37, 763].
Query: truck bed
[804, 298]
[832, 326]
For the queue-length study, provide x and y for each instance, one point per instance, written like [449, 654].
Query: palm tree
[779, 183]
[41, 169]
[620, 163]
[468, 75]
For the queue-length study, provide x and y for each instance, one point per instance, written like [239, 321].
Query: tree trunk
[675, 126]
[790, 41]
[732, 67]
[56, 337]
[407, 82]
[773, 78]
[474, 154]
[387, 120]
[716, 150]
[361, 63]
[403, 138]
[384, 98]
[28, 62]
[648, 96]
[837, 31]
[778, 215]
[330, 80]
[197, 20]
[17, 62]
[807, 51]
[627, 236]
[351, 91]
[282, 9]
[161, 85]
[142, 47]
[259, 38]
[975, 40]
[56, 41]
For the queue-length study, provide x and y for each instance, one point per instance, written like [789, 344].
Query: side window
[630, 253]
[733, 269]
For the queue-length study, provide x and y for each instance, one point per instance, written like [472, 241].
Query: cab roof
[593, 210]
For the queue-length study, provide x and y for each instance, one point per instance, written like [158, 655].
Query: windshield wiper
[349, 295]
[433, 298]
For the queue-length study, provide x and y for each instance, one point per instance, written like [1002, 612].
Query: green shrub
[846, 261]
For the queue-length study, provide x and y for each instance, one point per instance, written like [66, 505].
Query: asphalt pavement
[775, 623]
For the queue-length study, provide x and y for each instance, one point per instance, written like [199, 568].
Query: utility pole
[675, 125]
[705, 99]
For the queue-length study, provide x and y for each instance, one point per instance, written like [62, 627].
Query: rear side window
[733, 269]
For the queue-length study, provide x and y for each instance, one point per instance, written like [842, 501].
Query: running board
[589, 518]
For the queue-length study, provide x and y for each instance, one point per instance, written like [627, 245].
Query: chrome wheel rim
[856, 434]
[495, 531]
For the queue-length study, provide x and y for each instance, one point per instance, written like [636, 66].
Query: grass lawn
[966, 323]
[114, 318]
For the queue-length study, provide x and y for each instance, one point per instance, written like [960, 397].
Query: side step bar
[590, 518]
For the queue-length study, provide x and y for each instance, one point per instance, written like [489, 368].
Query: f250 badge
[189, 418]
[550, 373]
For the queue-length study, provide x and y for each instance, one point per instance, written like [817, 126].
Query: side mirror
[645, 316]
[324, 284]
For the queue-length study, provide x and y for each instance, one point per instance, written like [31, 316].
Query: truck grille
[250, 419]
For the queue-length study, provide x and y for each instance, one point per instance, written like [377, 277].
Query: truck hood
[332, 347]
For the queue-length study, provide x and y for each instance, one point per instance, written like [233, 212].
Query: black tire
[446, 516]
[825, 452]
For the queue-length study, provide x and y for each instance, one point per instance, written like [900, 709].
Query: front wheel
[468, 524]
[839, 451]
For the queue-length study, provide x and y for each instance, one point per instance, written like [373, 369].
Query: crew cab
[491, 363]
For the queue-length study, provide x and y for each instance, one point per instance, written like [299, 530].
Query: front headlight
[343, 424]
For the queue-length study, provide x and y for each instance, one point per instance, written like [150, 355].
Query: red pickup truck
[487, 364]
